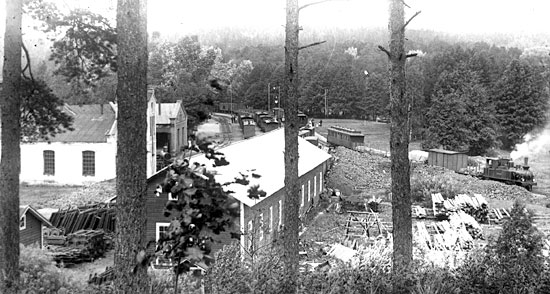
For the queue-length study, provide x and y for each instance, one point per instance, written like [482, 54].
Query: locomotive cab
[504, 170]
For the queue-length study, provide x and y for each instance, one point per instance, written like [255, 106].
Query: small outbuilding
[31, 226]
[452, 160]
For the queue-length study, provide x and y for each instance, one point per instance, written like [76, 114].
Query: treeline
[463, 96]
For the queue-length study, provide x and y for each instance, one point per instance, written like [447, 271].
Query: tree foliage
[42, 115]
[521, 102]
[461, 117]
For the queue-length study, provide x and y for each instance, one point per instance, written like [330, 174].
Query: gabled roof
[23, 210]
[262, 155]
[91, 124]
[167, 111]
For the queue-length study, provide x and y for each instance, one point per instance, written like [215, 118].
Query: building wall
[270, 209]
[33, 231]
[316, 178]
[68, 162]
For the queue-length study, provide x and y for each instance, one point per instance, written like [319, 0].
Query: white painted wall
[68, 162]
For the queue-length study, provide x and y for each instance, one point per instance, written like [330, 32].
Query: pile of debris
[106, 276]
[80, 246]
[87, 195]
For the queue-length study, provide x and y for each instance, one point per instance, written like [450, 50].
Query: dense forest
[465, 93]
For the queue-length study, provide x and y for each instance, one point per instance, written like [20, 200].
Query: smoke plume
[533, 145]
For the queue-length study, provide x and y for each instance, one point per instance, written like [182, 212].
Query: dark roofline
[36, 214]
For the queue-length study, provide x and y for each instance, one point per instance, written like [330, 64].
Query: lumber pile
[96, 217]
[80, 246]
[475, 206]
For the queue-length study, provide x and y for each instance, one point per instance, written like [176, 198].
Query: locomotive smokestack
[526, 161]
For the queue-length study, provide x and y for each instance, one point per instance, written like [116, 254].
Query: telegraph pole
[268, 98]
[326, 103]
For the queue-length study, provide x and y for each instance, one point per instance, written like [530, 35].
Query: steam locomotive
[504, 170]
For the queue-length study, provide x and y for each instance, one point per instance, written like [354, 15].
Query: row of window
[270, 228]
[162, 228]
[88, 163]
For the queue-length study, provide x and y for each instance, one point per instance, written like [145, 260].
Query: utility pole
[268, 98]
[326, 111]
[279, 98]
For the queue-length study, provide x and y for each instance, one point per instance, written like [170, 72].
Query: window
[302, 196]
[23, 222]
[178, 137]
[314, 186]
[172, 198]
[308, 190]
[250, 227]
[280, 213]
[270, 219]
[162, 228]
[49, 162]
[88, 163]
[261, 226]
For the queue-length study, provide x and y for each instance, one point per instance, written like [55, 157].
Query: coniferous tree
[10, 160]
[131, 164]
[521, 102]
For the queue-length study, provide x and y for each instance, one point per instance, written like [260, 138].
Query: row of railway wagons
[341, 136]
[265, 120]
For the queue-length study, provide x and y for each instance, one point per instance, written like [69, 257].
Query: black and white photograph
[275, 146]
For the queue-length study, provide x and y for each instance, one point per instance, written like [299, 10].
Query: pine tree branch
[311, 45]
[384, 50]
[28, 66]
[312, 3]
[410, 19]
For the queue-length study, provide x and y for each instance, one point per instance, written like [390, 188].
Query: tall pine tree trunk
[10, 161]
[292, 201]
[131, 164]
[399, 144]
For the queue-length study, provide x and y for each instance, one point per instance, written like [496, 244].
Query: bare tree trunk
[131, 164]
[399, 143]
[10, 161]
[292, 202]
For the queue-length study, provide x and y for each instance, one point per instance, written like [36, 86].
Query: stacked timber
[97, 217]
[80, 246]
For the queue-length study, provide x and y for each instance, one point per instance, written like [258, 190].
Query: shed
[31, 226]
[452, 160]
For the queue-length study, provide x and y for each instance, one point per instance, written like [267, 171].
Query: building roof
[23, 210]
[167, 111]
[91, 124]
[443, 151]
[262, 155]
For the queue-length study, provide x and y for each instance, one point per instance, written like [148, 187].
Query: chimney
[526, 161]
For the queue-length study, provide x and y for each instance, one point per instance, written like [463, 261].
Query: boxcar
[341, 136]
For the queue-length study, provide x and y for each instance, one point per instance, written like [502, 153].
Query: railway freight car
[247, 124]
[341, 136]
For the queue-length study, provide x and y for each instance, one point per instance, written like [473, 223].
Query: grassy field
[377, 135]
